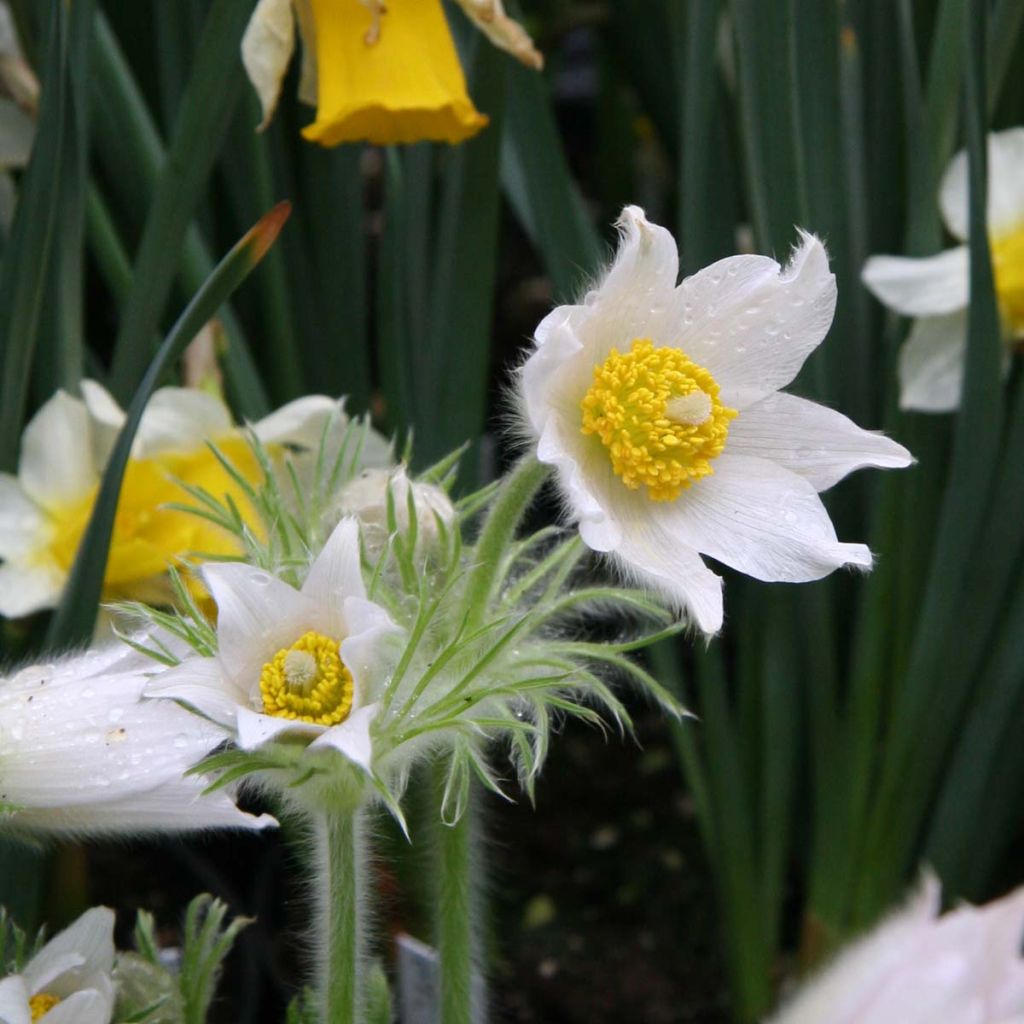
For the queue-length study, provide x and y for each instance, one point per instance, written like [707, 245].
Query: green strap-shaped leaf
[73, 622]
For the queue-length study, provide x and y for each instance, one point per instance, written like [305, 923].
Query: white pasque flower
[935, 290]
[80, 752]
[306, 663]
[920, 967]
[68, 980]
[659, 406]
[45, 509]
[366, 497]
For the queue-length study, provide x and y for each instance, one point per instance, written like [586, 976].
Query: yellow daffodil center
[41, 1004]
[388, 73]
[307, 682]
[659, 416]
[1008, 263]
[148, 536]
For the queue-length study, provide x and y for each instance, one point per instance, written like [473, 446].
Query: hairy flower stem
[514, 498]
[340, 876]
[457, 911]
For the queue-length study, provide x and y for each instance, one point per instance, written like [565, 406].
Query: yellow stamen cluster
[307, 682]
[659, 416]
[41, 1004]
[1008, 264]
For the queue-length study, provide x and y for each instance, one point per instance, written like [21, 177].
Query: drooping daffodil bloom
[69, 980]
[376, 72]
[305, 664]
[45, 509]
[80, 753]
[935, 290]
[659, 406]
[921, 967]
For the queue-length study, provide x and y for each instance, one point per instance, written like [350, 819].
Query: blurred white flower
[303, 663]
[659, 406]
[45, 509]
[366, 497]
[935, 290]
[920, 967]
[79, 753]
[68, 980]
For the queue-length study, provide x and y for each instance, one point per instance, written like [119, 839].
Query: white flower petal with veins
[750, 323]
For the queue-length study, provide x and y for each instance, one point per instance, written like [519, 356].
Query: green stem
[513, 499]
[340, 876]
[457, 899]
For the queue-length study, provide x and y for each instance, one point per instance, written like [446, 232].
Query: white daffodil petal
[267, 46]
[352, 737]
[257, 615]
[255, 729]
[1005, 186]
[752, 322]
[21, 521]
[200, 683]
[56, 465]
[815, 442]
[920, 287]
[25, 589]
[181, 419]
[107, 419]
[89, 941]
[14, 996]
[761, 519]
[88, 1007]
[931, 363]
[655, 557]
[489, 16]
[336, 574]
[300, 422]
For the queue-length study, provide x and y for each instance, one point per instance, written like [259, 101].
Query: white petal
[14, 1001]
[91, 938]
[89, 1007]
[56, 464]
[1005, 186]
[504, 32]
[760, 519]
[920, 287]
[931, 363]
[815, 442]
[200, 683]
[255, 729]
[751, 322]
[368, 648]
[22, 524]
[300, 422]
[25, 589]
[181, 420]
[653, 556]
[267, 46]
[336, 574]
[257, 615]
[107, 419]
[352, 737]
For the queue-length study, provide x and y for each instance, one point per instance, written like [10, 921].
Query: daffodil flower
[935, 290]
[80, 754]
[45, 509]
[380, 73]
[659, 405]
[920, 966]
[68, 980]
[307, 664]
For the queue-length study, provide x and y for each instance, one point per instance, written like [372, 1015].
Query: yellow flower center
[1008, 263]
[148, 536]
[307, 682]
[41, 1004]
[658, 415]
